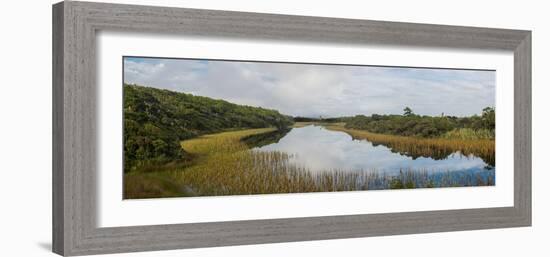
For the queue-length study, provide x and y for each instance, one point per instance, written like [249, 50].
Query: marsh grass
[436, 148]
[223, 164]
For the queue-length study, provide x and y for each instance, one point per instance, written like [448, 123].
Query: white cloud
[327, 90]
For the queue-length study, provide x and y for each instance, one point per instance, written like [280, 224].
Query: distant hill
[156, 120]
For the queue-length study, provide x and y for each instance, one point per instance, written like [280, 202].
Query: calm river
[320, 149]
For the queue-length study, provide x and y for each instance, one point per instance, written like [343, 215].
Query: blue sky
[321, 90]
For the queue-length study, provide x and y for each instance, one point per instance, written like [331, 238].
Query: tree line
[411, 124]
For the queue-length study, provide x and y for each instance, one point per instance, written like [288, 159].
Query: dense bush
[410, 124]
[156, 120]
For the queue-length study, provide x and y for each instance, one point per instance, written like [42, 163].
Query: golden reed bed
[224, 165]
[427, 147]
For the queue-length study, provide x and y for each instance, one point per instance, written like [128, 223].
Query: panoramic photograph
[199, 127]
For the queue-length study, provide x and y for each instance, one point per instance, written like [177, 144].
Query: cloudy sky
[320, 90]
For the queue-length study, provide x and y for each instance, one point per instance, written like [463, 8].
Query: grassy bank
[437, 148]
[223, 164]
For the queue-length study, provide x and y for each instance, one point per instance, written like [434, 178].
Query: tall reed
[224, 165]
[437, 148]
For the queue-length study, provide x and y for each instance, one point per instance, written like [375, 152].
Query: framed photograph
[182, 128]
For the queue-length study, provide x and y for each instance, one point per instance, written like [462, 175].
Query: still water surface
[319, 149]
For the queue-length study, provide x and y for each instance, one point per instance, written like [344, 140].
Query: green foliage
[410, 124]
[306, 119]
[407, 111]
[469, 134]
[395, 183]
[488, 118]
[402, 181]
[155, 121]
[430, 184]
[321, 120]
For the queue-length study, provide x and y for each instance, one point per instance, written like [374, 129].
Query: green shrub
[410, 124]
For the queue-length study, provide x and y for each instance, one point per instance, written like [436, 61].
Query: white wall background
[25, 127]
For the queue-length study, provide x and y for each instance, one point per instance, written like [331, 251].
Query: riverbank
[437, 148]
[223, 164]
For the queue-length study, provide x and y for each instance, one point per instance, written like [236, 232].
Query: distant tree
[408, 111]
[488, 117]
[410, 124]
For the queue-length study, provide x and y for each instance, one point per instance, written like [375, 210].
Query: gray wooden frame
[74, 128]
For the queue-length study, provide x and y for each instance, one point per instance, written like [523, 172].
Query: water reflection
[320, 149]
[259, 140]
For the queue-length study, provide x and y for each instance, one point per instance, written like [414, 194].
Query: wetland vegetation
[178, 144]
